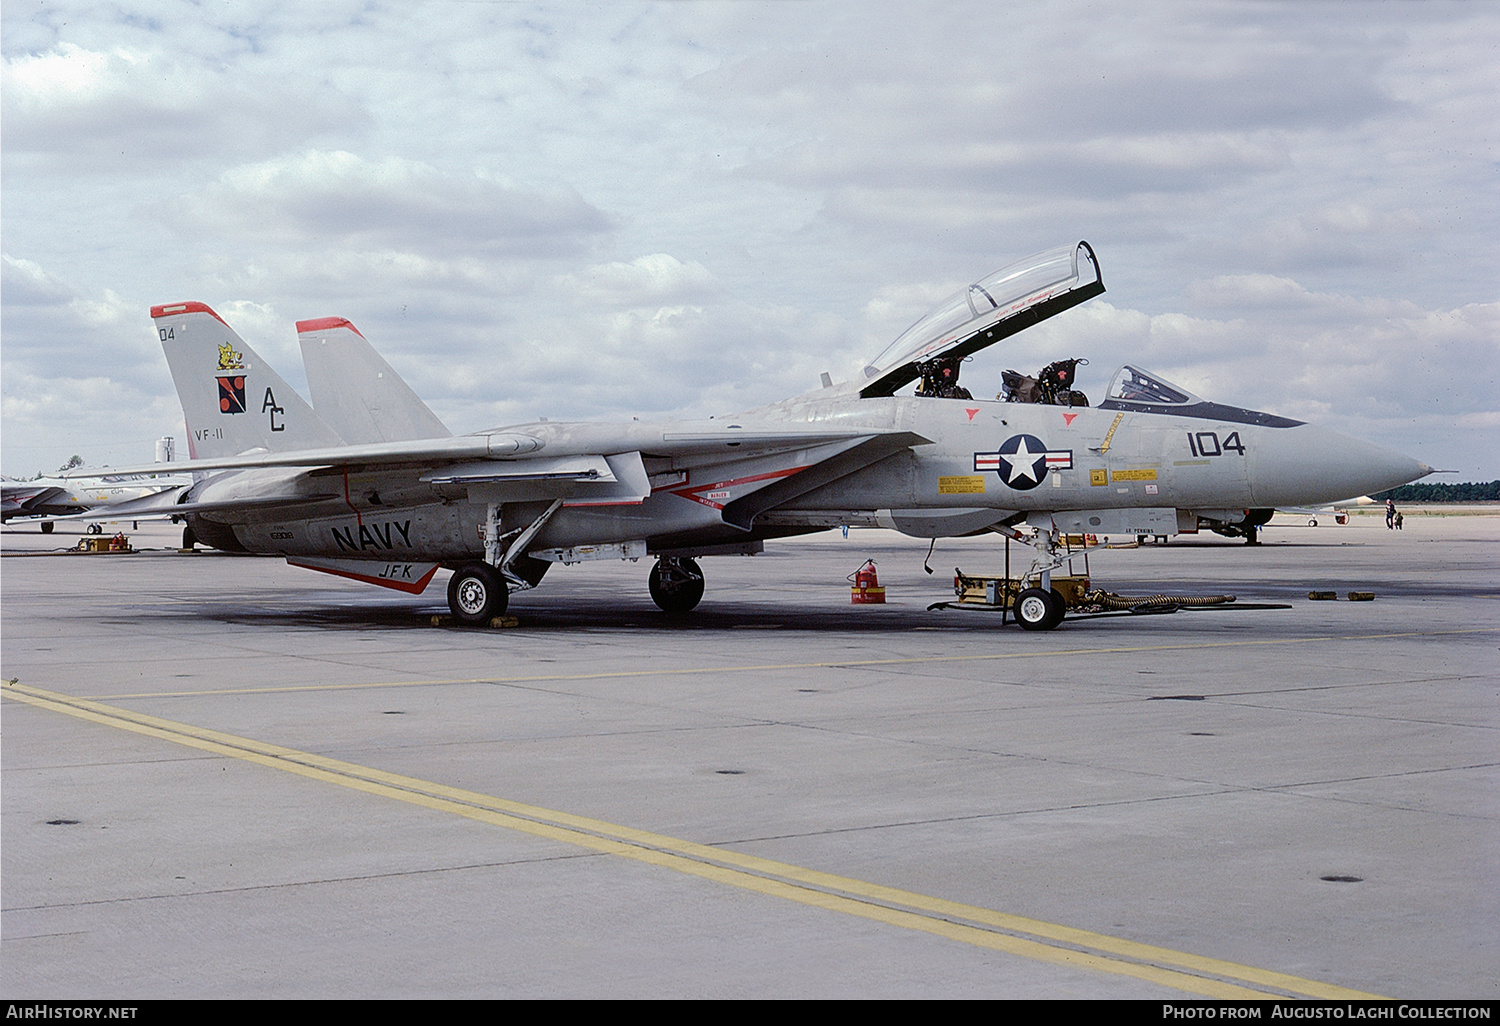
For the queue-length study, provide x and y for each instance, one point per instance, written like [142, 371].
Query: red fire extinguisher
[866, 589]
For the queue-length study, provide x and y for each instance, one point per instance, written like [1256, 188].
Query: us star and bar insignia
[1023, 460]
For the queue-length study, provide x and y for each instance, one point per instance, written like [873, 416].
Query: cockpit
[995, 307]
[1010, 300]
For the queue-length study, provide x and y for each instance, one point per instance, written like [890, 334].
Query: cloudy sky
[595, 211]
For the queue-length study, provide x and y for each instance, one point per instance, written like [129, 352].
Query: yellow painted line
[1028, 653]
[986, 928]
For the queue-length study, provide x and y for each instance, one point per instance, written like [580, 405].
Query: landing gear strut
[1039, 608]
[676, 584]
[480, 590]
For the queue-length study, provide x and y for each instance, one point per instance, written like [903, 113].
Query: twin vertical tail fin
[356, 391]
[233, 401]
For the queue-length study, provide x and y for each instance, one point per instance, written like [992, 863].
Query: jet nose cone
[1307, 465]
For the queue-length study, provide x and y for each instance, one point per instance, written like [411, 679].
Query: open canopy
[995, 307]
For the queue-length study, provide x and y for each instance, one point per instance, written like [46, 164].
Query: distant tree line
[1469, 491]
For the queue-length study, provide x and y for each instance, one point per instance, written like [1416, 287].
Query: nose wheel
[477, 593]
[1039, 610]
[676, 584]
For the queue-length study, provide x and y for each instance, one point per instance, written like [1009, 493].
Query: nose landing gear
[1037, 609]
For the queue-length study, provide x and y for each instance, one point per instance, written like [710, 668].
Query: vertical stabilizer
[233, 401]
[356, 391]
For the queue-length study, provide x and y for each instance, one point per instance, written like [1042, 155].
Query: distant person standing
[1390, 514]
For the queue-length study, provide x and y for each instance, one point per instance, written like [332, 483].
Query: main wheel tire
[96, 529]
[676, 585]
[477, 593]
[1038, 610]
[47, 526]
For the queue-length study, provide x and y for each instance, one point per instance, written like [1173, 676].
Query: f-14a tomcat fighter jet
[54, 497]
[379, 491]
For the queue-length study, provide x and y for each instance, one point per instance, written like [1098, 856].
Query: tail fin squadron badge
[229, 359]
[232, 394]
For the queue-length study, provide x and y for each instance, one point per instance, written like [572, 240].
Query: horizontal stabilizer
[177, 501]
[33, 500]
[156, 504]
[357, 457]
[527, 442]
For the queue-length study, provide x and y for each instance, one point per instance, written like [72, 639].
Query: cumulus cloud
[339, 199]
[24, 283]
[650, 280]
[50, 327]
[106, 109]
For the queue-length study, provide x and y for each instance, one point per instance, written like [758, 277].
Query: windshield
[1133, 385]
[1012, 289]
[1133, 389]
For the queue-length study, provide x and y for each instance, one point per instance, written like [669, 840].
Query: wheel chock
[1361, 596]
[1323, 596]
[496, 622]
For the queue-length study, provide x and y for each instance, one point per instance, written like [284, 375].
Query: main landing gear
[479, 590]
[676, 584]
[477, 593]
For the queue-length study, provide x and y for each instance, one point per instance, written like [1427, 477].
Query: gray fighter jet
[50, 498]
[379, 491]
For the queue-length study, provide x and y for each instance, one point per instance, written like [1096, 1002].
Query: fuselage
[981, 463]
